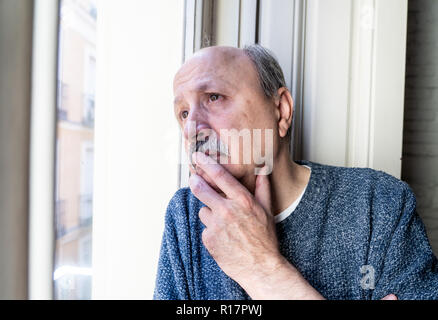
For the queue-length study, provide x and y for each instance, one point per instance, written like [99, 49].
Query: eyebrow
[206, 86]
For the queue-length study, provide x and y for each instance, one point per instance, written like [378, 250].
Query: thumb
[262, 191]
[390, 297]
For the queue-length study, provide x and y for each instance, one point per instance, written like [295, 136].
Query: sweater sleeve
[171, 280]
[408, 266]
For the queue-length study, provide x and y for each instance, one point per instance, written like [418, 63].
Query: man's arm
[171, 282]
[408, 268]
[280, 282]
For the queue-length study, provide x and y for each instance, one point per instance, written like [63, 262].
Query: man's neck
[288, 180]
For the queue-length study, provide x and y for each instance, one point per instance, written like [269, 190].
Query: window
[136, 158]
[118, 144]
[75, 150]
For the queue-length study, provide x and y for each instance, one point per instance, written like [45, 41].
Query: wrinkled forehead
[233, 70]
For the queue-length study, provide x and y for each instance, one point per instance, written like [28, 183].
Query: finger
[205, 215]
[191, 169]
[390, 297]
[262, 192]
[222, 178]
[206, 194]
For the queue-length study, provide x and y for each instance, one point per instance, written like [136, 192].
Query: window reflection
[75, 149]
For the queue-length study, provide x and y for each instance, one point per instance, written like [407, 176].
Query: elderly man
[288, 229]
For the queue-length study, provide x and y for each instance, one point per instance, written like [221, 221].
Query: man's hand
[240, 230]
[240, 234]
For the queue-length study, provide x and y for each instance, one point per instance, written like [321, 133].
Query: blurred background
[90, 152]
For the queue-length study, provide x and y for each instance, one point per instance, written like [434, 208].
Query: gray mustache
[210, 143]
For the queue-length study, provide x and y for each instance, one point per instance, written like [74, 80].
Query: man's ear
[285, 109]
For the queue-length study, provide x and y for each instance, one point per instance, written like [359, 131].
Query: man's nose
[196, 126]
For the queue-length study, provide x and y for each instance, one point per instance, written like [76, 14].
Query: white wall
[354, 83]
[420, 143]
[139, 48]
[15, 66]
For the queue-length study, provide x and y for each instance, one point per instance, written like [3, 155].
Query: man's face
[216, 91]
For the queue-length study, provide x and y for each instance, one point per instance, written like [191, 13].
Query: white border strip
[42, 149]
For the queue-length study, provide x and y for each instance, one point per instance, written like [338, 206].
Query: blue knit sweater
[354, 235]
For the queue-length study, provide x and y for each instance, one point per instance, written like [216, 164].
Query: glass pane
[75, 149]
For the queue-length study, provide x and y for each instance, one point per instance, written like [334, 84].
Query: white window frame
[42, 149]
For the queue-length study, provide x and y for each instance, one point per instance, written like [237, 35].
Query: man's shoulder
[386, 189]
[381, 182]
[182, 206]
[381, 189]
[385, 193]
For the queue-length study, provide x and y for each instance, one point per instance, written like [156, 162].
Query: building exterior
[75, 149]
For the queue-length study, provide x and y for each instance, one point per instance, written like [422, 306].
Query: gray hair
[271, 76]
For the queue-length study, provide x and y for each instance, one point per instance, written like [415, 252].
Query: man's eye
[184, 114]
[214, 97]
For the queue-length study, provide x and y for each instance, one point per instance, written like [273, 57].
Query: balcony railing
[59, 218]
[85, 209]
[61, 100]
[88, 116]
[62, 114]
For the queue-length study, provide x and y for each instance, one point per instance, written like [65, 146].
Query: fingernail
[264, 171]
